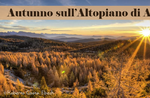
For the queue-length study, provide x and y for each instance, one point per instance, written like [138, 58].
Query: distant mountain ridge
[63, 37]
[21, 33]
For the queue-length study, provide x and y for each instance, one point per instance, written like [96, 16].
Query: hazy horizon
[85, 27]
[80, 27]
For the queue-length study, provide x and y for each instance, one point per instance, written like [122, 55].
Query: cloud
[60, 30]
[10, 22]
[111, 25]
[5, 27]
[21, 28]
[114, 25]
[38, 20]
[14, 27]
[88, 2]
[28, 2]
[66, 2]
[144, 23]
[44, 29]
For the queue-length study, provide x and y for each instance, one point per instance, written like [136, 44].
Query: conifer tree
[50, 76]
[1, 68]
[90, 86]
[82, 95]
[57, 79]
[44, 85]
[89, 76]
[95, 76]
[40, 57]
[64, 80]
[19, 86]
[25, 61]
[81, 78]
[76, 93]
[76, 83]
[71, 78]
[58, 92]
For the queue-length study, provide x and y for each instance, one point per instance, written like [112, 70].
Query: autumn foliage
[99, 77]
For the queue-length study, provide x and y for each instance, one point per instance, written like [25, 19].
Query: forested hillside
[92, 71]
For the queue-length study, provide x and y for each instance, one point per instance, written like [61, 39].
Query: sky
[80, 27]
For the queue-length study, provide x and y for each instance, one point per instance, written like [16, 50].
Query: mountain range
[63, 37]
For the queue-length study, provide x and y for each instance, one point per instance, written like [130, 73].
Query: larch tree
[19, 86]
[72, 78]
[76, 93]
[50, 77]
[58, 92]
[95, 76]
[48, 62]
[34, 69]
[25, 61]
[40, 57]
[54, 69]
[90, 76]
[43, 85]
[44, 69]
[82, 95]
[12, 88]
[57, 79]
[1, 68]
[76, 83]
[81, 77]
[64, 80]
[5, 85]
[90, 86]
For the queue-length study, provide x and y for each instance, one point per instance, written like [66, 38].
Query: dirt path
[13, 79]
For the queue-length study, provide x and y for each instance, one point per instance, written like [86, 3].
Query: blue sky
[75, 2]
[84, 27]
